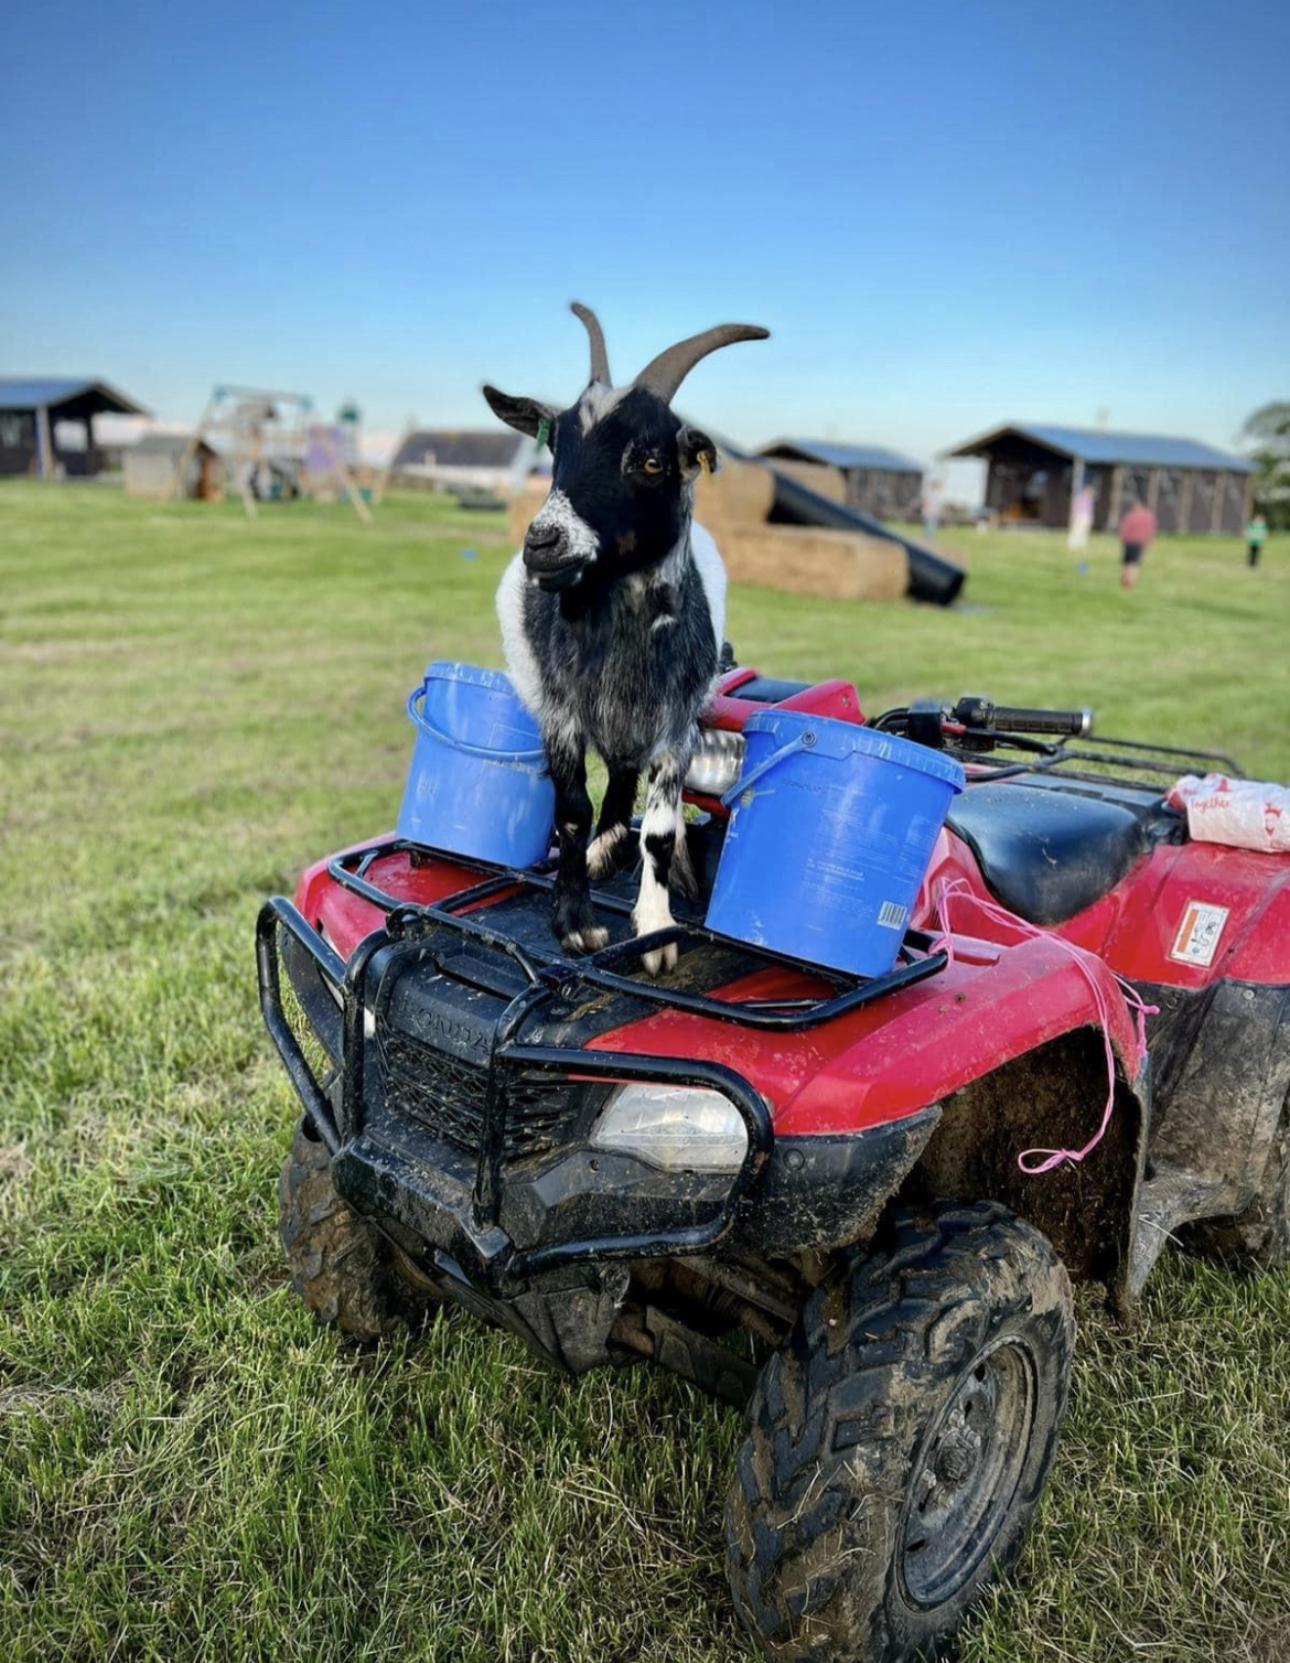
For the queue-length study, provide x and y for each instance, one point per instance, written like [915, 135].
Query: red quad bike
[796, 1188]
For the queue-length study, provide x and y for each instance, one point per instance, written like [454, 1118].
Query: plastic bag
[1245, 814]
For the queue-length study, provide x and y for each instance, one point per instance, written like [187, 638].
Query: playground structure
[274, 448]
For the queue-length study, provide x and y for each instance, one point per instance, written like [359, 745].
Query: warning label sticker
[1199, 933]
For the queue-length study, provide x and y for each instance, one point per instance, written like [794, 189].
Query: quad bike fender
[913, 1049]
[1248, 899]
[1144, 927]
[1001, 1053]
[345, 919]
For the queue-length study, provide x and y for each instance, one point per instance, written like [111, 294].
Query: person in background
[1082, 508]
[1137, 533]
[1255, 537]
[931, 506]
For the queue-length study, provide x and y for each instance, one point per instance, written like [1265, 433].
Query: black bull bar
[335, 997]
[340, 1030]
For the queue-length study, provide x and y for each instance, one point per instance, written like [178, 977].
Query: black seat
[1046, 852]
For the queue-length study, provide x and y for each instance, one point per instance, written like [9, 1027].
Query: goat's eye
[651, 465]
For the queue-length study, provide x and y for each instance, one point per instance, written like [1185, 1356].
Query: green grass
[192, 708]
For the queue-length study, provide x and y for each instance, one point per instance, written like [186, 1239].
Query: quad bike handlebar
[975, 711]
[976, 723]
[973, 725]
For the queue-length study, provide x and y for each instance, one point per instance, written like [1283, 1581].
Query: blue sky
[948, 215]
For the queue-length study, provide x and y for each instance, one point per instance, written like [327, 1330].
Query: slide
[931, 577]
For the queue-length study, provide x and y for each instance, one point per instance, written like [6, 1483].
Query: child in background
[1255, 537]
[1137, 533]
[1082, 509]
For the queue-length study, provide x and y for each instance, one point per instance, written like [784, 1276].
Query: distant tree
[1268, 432]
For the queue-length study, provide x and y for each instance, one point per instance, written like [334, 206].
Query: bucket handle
[803, 742]
[418, 716]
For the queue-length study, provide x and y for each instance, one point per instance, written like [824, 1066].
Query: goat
[612, 620]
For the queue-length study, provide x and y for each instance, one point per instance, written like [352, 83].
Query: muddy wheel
[340, 1266]
[901, 1438]
[1259, 1238]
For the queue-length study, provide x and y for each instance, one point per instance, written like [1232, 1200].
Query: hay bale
[804, 560]
[739, 493]
[524, 505]
[816, 476]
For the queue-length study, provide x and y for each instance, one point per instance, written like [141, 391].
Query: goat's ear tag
[544, 434]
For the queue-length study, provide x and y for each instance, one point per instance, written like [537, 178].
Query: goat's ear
[525, 415]
[695, 450]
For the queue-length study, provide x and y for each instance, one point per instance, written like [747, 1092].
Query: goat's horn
[599, 357]
[664, 374]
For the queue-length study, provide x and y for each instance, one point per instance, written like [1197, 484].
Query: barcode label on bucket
[892, 917]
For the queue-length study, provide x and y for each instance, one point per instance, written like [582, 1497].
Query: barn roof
[458, 448]
[31, 392]
[838, 455]
[1148, 450]
[167, 444]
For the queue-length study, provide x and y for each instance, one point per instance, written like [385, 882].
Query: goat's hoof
[585, 941]
[661, 959]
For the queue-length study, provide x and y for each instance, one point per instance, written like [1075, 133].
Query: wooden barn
[47, 424]
[1036, 470]
[875, 480]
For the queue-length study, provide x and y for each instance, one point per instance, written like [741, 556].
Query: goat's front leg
[658, 847]
[613, 830]
[574, 921]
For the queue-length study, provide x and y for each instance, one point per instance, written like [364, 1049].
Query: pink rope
[1034, 1162]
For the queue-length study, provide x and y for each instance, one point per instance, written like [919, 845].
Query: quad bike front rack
[604, 969]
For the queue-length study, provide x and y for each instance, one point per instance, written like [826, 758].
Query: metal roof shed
[1037, 468]
[457, 459]
[33, 407]
[878, 481]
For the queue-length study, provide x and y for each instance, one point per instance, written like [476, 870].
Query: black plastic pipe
[931, 577]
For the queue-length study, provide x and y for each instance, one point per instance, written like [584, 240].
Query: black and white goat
[612, 619]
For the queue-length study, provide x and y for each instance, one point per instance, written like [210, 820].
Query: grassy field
[191, 708]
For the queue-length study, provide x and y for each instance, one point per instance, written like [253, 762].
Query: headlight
[716, 763]
[675, 1128]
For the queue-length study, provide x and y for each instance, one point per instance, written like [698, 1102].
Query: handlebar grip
[1021, 720]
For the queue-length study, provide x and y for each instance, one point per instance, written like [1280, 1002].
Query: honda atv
[801, 1189]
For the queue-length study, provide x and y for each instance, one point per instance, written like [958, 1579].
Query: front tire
[901, 1438]
[340, 1264]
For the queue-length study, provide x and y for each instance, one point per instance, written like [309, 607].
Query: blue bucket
[831, 833]
[478, 784]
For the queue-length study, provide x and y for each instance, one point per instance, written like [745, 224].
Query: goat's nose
[542, 537]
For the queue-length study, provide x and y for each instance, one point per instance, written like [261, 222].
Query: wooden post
[383, 481]
[1216, 513]
[1077, 485]
[1153, 490]
[354, 494]
[1248, 509]
[44, 444]
[1117, 491]
[1184, 501]
[245, 462]
[190, 450]
[348, 486]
